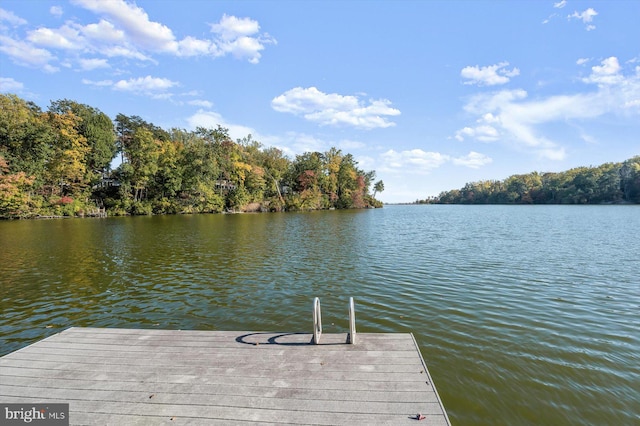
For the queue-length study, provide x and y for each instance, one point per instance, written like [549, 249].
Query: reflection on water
[525, 315]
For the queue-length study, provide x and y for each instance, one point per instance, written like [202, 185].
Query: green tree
[332, 160]
[143, 153]
[238, 198]
[97, 128]
[54, 161]
[167, 181]
[125, 129]
[630, 179]
[608, 184]
[306, 171]
[25, 137]
[275, 166]
[201, 170]
[350, 184]
[378, 187]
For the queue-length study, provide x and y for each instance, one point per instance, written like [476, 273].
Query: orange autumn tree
[15, 190]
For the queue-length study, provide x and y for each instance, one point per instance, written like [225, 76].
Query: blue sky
[430, 94]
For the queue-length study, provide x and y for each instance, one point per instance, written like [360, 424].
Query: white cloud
[190, 46]
[473, 160]
[9, 85]
[582, 61]
[135, 23]
[65, 37]
[484, 133]
[206, 119]
[200, 103]
[25, 54]
[335, 109]
[489, 118]
[240, 37]
[635, 103]
[420, 162]
[231, 27]
[125, 52]
[303, 101]
[145, 85]
[211, 120]
[56, 11]
[155, 87]
[132, 28]
[586, 17]
[11, 18]
[245, 47]
[104, 32]
[126, 30]
[102, 38]
[607, 73]
[487, 104]
[588, 138]
[101, 83]
[514, 120]
[558, 5]
[92, 64]
[490, 75]
[519, 122]
[415, 161]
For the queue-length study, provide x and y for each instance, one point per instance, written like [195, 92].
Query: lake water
[524, 314]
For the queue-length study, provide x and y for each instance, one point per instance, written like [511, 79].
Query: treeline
[610, 183]
[57, 163]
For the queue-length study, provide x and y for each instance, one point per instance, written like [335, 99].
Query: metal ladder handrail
[352, 322]
[317, 321]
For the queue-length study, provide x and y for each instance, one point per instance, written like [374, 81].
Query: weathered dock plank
[226, 389]
[120, 376]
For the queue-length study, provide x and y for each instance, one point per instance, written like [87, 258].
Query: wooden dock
[124, 376]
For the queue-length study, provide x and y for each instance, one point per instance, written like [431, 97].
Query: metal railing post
[352, 322]
[317, 321]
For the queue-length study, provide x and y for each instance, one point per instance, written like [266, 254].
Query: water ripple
[525, 315]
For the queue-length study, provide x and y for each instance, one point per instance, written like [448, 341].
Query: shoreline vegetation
[57, 163]
[609, 183]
